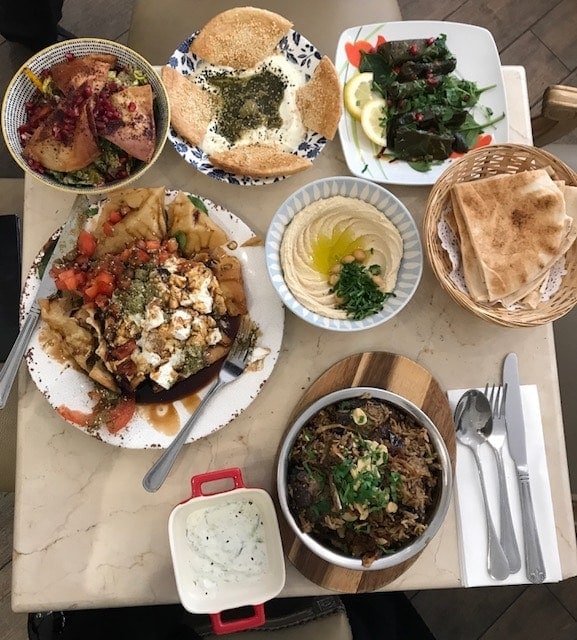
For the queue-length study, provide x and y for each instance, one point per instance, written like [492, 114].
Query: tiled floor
[538, 34]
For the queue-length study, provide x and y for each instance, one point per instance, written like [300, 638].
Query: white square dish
[212, 578]
[477, 60]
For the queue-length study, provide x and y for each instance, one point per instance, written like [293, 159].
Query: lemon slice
[357, 92]
[373, 121]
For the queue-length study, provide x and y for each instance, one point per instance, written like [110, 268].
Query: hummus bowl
[339, 214]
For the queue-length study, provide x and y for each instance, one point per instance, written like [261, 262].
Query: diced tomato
[141, 256]
[114, 217]
[69, 279]
[108, 228]
[102, 283]
[119, 416]
[86, 243]
[123, 350]
[76, 417]
[152, 245]
[171, 245]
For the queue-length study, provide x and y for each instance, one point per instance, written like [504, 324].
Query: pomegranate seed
[430, 41]
[69, 56]
[413, 49]
[132, 106]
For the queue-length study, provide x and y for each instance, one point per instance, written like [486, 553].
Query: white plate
[477, 60]
[411, 267]
[298, 50]
[63, 385]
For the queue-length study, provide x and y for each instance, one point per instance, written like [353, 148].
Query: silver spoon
[473, 411]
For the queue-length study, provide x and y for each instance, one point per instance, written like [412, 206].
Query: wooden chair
[558, 115]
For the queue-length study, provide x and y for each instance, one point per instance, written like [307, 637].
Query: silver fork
[496, 438]
[231, 369]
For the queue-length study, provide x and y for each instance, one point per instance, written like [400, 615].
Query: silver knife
[517, 447]
[66, 242]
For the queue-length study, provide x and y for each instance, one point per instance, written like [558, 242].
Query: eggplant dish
[149, 298]
[362, 475]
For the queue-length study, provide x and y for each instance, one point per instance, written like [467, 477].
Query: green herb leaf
[198, 203]
[361, 296]
[181, 239]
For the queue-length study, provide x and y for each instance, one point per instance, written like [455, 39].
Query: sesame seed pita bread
[319, 100]
[241, 37]
[191, 107]
[259, 161]
[512, 229]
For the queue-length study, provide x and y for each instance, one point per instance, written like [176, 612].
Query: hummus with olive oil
[321, 234]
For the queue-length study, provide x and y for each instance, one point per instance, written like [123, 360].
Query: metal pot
[443, 493]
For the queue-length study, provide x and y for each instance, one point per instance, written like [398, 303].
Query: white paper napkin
[469, 501]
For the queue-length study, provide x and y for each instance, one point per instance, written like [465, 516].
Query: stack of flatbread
[240, 39]
[512, 229]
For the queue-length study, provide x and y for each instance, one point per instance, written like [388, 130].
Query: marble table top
[86, 534]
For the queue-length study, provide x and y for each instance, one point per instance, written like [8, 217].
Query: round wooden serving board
[405, 378]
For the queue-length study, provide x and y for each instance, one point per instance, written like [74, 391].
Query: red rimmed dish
[219, 566]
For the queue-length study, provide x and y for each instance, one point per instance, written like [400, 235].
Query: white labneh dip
[288, 135]
[228, 544]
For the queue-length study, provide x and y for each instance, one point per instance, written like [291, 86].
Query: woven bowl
[483, 163]
[20, 90]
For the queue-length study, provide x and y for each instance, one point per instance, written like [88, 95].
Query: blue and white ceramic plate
[411, 264]
[298, 50]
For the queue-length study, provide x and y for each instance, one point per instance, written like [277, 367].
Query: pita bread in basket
[489, 162]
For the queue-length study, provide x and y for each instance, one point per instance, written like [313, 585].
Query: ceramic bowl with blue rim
[298, 50]
[410, 270]
[21, 90]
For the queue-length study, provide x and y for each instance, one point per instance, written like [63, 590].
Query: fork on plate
[233, 366]
[496, 435]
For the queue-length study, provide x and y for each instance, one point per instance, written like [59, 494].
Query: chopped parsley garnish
[360, 295]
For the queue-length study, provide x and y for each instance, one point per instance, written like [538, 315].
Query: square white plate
[477, 60]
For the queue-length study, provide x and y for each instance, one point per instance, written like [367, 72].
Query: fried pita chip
[200, 232]
[70, 74]
[136, 133]
[143, 218]
[71, 152]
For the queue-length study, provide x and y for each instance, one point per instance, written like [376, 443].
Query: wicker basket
[482, 163]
